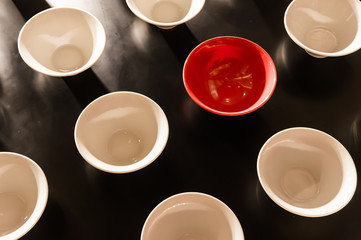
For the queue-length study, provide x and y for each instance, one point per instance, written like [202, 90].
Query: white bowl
[121, 132]
[192, 216]
[307, 172]
[325, 28]
[61, 41]
[165, 14]
[23, 195]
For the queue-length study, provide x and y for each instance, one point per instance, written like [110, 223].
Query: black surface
[205, 152]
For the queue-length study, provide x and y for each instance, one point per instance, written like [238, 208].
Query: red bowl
[229, 76]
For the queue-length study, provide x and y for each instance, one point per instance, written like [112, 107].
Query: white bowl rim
[196, 194]
[317, 211]
[317, 53]
[161, 24]
[140, 164]
[43, 193]
[53, 73]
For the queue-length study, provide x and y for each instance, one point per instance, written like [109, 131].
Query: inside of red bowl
[226, 75]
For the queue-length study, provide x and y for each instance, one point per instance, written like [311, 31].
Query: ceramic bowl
[23, 195]
[192, 216]
[229, 76]
[307, 172]
[325, 28]
[61, 41]
[165, 14]
[121, 132]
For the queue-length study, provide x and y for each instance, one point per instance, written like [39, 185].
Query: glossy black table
[205, 152]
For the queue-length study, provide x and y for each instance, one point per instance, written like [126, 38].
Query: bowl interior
[322, 25]
[121, 129]
[158, 12]
[61, 40]
[229, 75]
[192, 216]
[303, 168]
[23, 194]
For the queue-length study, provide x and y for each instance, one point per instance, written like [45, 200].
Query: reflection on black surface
[356, 132]
[5, 125]
[112, 187]
[268, 211]
[181, 40]
[54, 220]
[308, 76]
[249, 126]
[240, 132]
[86, 87]
[191, 111]
[225, 146]
[52, 224]
[139, 34]
[30, 8]
[264, 210]
[273, 18]
[132, 194]
[58, 222]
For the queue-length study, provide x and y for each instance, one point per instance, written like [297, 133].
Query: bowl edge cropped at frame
[196, 196]
[323, 210]
[163, 25]
[42, 198]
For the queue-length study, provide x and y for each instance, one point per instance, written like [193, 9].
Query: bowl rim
[250, 109]
[196, 197]
[164, 25]
[333, 206]
[42, 196]
[91, 61]
[154, 153]
[351, 48]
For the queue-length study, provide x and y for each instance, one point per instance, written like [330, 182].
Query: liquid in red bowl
[229, 76]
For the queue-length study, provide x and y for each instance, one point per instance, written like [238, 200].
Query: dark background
[205, 152]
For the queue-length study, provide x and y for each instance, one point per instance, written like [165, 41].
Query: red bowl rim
[232, 113]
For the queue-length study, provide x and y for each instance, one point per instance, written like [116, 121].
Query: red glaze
[229, 76]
